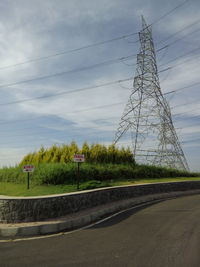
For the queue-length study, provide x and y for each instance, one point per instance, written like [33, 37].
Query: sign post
[28, 180]
[78, 158]
[78, 174]
[28, 169]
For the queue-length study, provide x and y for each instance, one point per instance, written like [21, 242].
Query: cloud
[31, 29]
[11, 156]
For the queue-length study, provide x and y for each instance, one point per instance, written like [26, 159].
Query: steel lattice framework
[147, 114]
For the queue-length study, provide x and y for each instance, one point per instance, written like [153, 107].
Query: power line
[108, 62]
[65, 135]
[65, 92]
[70, 137]
[178, 64]
[169, 12]
[97, 65]
[186, 127]
[20, 120]
[83, 89]
[27, 120]
[47, 129]
[61, 134]
[181, 56]
[76, 90]
[193, 117]
[176, 40]
[179, 39]
[70, 51]
[185, 104]
[182, 113]
[182, 62]
[88, 109]
[91, 45]
[104, 63]
[50, 131]
[179, 31]
[190, 141]
[69, 91]
[147, 90]
[182, 88]
[76, 135]
[49, 144]
[44, 145]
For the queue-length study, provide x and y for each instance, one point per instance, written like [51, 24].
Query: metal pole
[28, 180]
[78, 175]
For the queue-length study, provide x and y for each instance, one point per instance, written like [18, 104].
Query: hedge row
[61, 173]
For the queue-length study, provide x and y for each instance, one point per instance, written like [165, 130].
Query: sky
[56, 50]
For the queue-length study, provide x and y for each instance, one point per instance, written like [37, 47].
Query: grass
[156, 180]
[57, 178]
[61, 173]
[13, 189]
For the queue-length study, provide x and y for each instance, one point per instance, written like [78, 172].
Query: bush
[54, 173]
[95, 153]
[62, 173]
[93, 184]
[12, 174]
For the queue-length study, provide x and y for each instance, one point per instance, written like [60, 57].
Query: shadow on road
[122, 216]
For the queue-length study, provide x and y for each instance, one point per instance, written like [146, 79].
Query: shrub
[62, 173]
[95, 153]
[93, 184]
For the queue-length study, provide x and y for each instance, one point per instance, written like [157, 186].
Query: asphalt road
[166, 234]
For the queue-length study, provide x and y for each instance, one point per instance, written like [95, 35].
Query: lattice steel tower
[147, 116]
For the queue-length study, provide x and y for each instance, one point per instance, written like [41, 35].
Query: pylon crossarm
[147, 114]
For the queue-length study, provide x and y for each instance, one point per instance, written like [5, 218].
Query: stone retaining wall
[30, 209]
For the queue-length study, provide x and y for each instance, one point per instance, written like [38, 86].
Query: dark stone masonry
[30, 209]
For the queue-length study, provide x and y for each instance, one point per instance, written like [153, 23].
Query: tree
[86, 151]
[57, 155]
[111, 153]
[49, 154]
[73, 148]
[65, 154]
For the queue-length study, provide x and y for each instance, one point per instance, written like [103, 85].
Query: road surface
[166, 234]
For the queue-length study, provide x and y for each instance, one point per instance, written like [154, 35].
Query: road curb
[84, 220]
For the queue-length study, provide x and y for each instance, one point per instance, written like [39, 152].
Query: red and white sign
[79, 158]
[28, 168]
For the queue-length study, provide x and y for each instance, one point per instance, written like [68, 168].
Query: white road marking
[82, 228]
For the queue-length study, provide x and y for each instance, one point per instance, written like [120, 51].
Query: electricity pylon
[147, 114]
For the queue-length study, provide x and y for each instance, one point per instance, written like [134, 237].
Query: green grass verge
[13, 189]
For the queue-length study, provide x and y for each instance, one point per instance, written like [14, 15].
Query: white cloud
[10, 156]
[30, 29]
